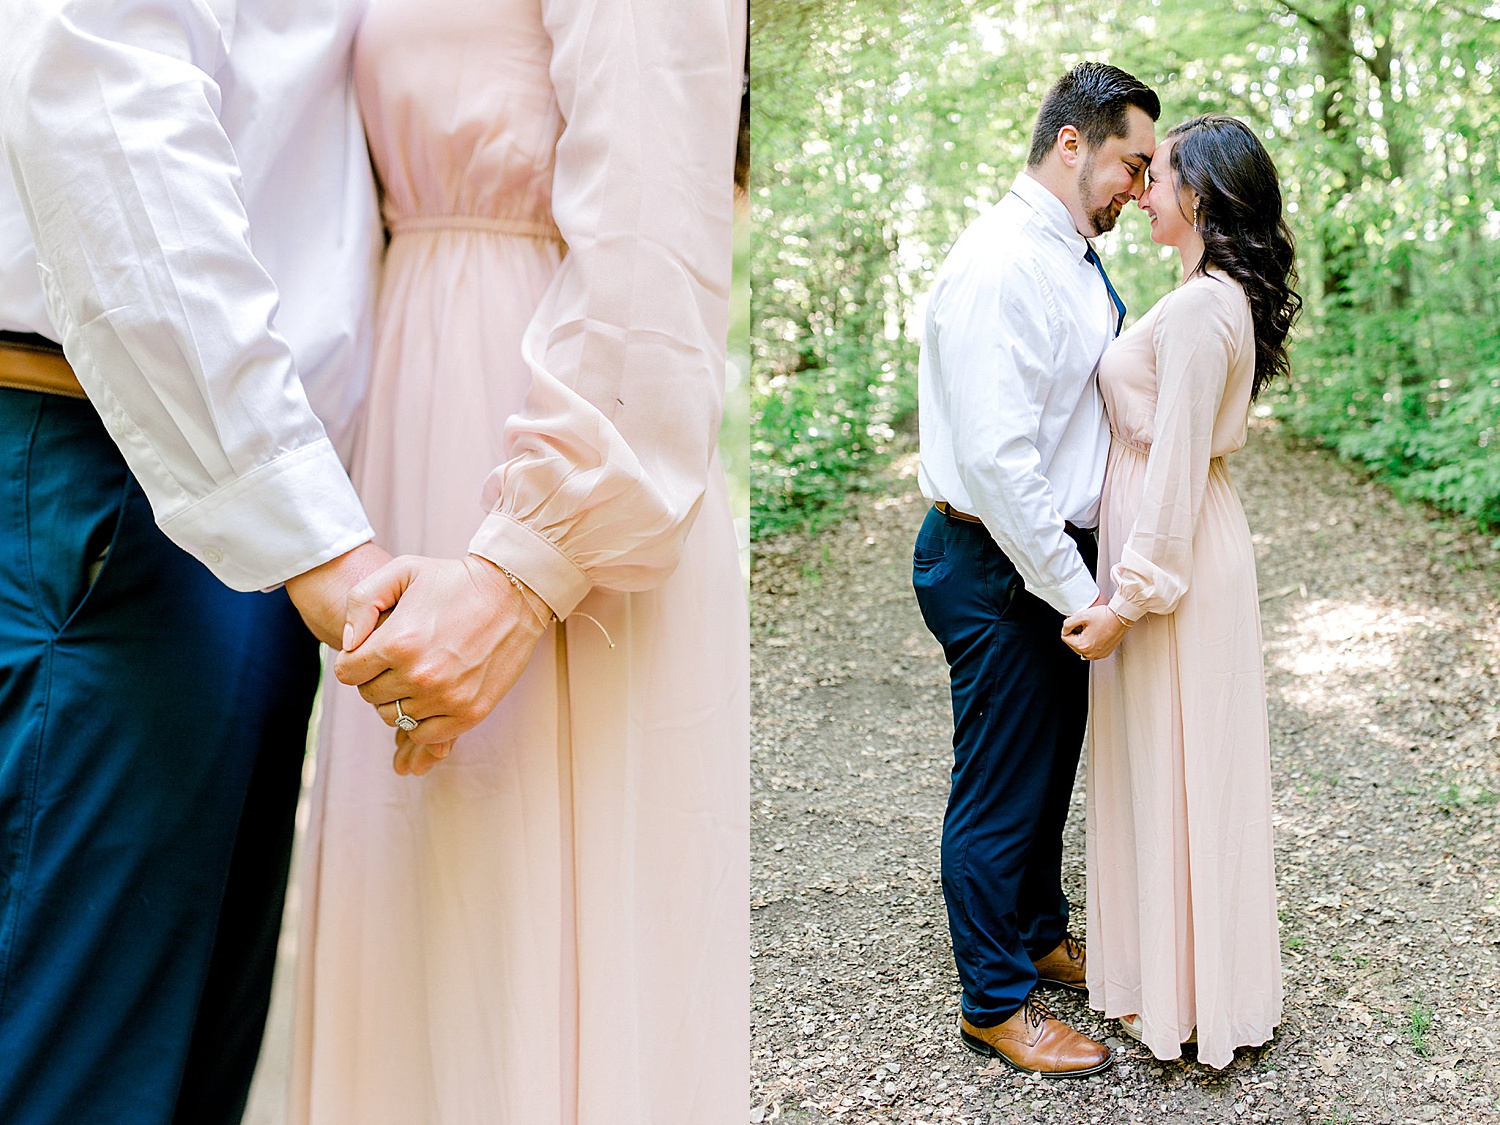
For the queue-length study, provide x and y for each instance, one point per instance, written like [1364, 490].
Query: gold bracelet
[523, 591]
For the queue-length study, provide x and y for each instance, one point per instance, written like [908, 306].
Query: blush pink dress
[550, 928]
[1181, 893]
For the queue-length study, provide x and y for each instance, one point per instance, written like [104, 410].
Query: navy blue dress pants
[1020, 702]
[152, 727]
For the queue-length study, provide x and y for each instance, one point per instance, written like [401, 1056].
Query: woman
[549, 927]
[1181, 895]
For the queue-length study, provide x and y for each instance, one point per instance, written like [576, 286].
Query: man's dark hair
[1093, 98]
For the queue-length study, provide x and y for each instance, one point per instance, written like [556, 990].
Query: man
[1013, 446]
[194, 221]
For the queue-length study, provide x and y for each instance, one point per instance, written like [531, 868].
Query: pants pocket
[75, 490]
[929, 558]
[1001, 580]
[925, 556]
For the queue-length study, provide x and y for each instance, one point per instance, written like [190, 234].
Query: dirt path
[1383, 662]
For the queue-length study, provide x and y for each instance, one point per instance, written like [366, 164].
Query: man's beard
[1103, 218]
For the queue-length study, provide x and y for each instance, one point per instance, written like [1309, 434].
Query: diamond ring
[405, 721]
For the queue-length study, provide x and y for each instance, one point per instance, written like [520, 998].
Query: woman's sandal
[1132, 1027]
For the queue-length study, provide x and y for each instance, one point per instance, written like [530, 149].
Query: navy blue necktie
[1090, 256]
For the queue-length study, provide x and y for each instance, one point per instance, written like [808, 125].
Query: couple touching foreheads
[204, 322]
[1082, 510]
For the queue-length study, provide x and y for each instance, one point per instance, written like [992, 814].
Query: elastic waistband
[516, 228]
[1130, 443]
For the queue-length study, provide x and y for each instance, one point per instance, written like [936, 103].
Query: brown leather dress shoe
[1037, 1042]
[1064, 966]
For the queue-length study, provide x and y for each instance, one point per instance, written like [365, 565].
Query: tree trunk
[1333, 53]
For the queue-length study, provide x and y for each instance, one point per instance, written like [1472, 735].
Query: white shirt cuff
[1075, 595]
[286, 517]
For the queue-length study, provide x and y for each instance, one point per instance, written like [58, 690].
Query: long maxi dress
[1181, 892]
[550, 928]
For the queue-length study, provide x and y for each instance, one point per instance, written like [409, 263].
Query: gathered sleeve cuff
[534, 559]
[1125, 610]
[1193, 338]
[608, 459]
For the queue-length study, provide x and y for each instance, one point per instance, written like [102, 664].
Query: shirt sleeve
[110, 123]
[608, 460]
[994, 334]
[1193, 338]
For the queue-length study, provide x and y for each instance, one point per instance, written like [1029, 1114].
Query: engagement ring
[405, 721]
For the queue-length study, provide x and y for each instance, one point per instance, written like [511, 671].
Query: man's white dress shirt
[1012, 424]
[193, 217]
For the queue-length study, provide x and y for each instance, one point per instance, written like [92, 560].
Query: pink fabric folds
[1181, 894]
[552, 926]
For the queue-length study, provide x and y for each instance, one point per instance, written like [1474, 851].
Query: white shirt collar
[1054, 214]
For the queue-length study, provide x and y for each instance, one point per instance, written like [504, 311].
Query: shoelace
[1073, 947]
[1036, 1011]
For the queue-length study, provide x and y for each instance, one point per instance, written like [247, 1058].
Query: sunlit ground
[1382, 654]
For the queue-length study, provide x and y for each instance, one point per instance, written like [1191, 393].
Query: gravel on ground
[1382, 639]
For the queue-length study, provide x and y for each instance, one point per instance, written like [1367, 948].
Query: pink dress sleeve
[1193, 338]
[609, 458]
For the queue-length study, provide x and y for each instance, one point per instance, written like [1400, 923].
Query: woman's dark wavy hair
[1244, 234]
[742, 138]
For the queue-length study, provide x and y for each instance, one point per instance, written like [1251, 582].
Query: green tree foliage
[881, 129]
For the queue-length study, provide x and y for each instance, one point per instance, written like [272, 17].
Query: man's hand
[1094, 633]
[320, 593]
[458, 640]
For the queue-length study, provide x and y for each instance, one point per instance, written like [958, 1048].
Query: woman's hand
[455, 637]
[1094, 633]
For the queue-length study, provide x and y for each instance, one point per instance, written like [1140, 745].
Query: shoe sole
[980, 1047]
[1053, 983]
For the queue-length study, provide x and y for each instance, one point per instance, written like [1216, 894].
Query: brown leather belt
[36, 367]
[953, 513]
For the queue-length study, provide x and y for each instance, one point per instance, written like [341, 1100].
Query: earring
[1195, 214]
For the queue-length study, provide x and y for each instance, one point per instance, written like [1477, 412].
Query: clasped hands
[1095, 632]
[447, 638]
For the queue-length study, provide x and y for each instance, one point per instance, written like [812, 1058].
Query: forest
[881, 128]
